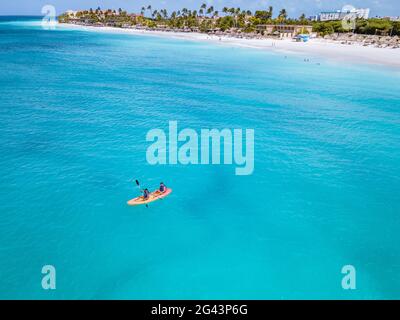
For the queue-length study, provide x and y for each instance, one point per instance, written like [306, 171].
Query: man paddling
[163, 187]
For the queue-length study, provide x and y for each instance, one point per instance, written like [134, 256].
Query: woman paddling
[146, 194]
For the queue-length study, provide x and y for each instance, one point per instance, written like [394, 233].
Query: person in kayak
[163, 187]
[146, 194]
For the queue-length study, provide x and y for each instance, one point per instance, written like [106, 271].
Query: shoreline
[320, 48]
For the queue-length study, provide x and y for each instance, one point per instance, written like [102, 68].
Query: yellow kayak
[154, 196]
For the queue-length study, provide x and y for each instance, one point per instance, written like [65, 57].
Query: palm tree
[210, 10]
[165, 13]
[225, 10]
[235, 13]
[303, 19]
[270, 11]
[282, 15]
[149, 8]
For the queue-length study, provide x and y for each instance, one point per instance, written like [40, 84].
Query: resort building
[341, 14]
[135, 15]
[330, 15]
[284, 30]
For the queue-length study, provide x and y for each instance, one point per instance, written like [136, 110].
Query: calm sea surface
[75, 108]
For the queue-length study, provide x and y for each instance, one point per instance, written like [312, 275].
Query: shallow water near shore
[75, 108]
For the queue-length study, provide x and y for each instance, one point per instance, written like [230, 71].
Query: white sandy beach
[314, 48]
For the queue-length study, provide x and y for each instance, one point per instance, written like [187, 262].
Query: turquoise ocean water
[75, 108]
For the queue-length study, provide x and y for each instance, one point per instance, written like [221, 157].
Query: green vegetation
[207, 18]
[372, 26]
[378, 26]
[117, 18]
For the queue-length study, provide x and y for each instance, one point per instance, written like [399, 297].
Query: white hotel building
[340, 14]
